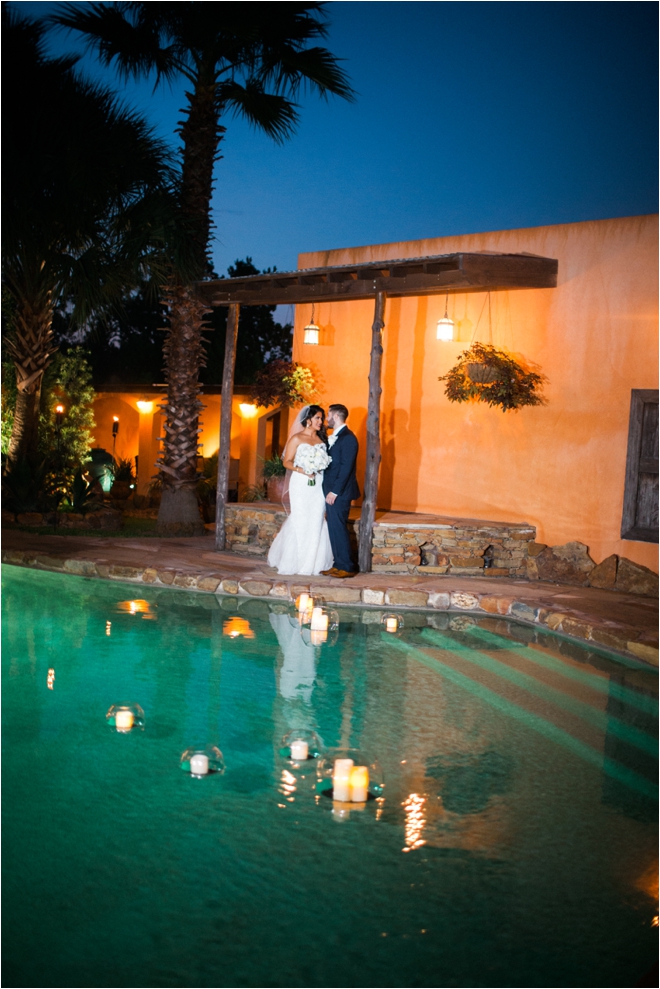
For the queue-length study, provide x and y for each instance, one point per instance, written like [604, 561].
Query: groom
[340, 487]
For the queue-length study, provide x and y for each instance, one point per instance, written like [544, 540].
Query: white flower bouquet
[312, 459]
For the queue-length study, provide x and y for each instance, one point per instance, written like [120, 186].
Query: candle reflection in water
[415, 821]
[287, 785]
[138, 607]
[50, 679]
[236, 627]
[108, 628]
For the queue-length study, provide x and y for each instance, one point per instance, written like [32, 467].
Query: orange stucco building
[561, 466]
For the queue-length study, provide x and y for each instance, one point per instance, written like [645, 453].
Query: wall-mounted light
[145, 406]
[445, 328]
[311, 331]
[248, 411]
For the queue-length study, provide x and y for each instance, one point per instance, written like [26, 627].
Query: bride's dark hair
[311, 412]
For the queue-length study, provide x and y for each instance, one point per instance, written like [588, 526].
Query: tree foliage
[284, 383]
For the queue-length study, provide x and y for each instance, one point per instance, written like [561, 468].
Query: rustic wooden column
[224, 451]
[370, 496]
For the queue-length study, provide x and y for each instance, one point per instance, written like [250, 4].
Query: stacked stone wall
[454, 546]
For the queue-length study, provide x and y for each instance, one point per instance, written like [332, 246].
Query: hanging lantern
[311, 331]
[445, 327]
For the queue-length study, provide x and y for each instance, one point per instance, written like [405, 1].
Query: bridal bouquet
[312, 459]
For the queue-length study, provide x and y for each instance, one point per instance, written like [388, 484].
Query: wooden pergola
[432, 275]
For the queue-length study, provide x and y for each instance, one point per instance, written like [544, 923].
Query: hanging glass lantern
[445, 327]
[311, 331]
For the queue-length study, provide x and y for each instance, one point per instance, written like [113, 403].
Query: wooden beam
[431, 275]
[370, 496]
[224, 450]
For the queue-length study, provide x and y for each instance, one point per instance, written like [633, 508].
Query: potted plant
[124, 481]
[485, 374]
[274, 474]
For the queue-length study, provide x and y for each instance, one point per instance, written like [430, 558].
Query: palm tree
[85, 194]
[237, 59]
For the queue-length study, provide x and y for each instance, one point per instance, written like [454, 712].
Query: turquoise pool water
[517, 844]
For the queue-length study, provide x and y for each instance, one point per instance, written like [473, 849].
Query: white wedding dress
[302, 546]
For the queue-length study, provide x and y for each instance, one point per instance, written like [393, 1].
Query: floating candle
[124, 720]
[341, 780]
[391, 624]
[359, 784]
[199, 764]
[319, 621]
[299, 750]
[304, 602]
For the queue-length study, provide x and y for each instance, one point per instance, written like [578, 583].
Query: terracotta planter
[275, 489]
[481, 374]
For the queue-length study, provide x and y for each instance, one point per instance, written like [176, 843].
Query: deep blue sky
[470, 116]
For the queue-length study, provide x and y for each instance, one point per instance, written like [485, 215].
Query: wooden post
[368, 516]
[224, 451]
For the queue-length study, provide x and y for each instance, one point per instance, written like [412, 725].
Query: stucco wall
[560, 467]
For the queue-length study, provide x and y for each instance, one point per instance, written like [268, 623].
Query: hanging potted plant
[486, 374]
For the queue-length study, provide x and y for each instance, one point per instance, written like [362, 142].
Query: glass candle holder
[349, 776]
[301, 745]
[125, 717]
[202, 760]
[392, 623]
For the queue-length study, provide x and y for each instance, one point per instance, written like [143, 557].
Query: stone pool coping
[622, 623]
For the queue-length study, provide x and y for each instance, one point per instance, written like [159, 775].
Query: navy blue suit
[340, 478]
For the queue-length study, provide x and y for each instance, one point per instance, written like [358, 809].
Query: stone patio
[622, 623]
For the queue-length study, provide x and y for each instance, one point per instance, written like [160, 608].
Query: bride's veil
[296, 427]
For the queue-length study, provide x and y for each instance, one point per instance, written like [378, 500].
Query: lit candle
[199, 764]
[341, 780]
[359, 783]
[316, 638]
[124, 720]
[391, 624]
[319, 621]
[299, 750]
[303, 602]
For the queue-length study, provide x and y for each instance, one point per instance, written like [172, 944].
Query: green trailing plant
[272, 468]
[505, 383]
[285, 383]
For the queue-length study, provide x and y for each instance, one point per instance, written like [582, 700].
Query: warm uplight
[236, 627]
[311, 331]
[248, 411]
[145, 406]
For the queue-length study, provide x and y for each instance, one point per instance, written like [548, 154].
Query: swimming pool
[516, 845]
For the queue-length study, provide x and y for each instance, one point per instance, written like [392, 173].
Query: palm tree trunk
[184, 347]
[184, 356]
[30, 348]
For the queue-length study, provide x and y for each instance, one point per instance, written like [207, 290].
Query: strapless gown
[302, 546]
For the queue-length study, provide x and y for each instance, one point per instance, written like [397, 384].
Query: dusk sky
[469, 116]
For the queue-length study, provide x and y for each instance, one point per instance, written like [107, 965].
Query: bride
[302, 546]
